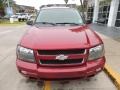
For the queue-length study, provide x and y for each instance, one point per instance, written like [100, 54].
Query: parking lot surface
[111, 39]
[10, 79]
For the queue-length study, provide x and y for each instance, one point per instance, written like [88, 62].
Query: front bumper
[35, 71]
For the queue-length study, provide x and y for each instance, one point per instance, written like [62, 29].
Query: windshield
[59, 15]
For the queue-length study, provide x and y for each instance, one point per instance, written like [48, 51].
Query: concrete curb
[113, 75]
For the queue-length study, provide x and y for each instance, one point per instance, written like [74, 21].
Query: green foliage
[1, 4]
[11, 2]
[108, 1]
[5, 2]
[105, 2]
[81, 9]
[2, 13]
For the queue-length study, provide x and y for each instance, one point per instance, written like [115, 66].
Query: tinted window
[117, 24]
[119, 8]
[118, 15]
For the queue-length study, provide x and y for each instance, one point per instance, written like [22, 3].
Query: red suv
[59, 45]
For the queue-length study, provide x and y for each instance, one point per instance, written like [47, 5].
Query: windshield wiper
[69, 23]
[46, 23]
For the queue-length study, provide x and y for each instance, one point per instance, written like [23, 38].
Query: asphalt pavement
[10, 79]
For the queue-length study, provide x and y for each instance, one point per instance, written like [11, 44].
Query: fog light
[99, 69]
[24, 72]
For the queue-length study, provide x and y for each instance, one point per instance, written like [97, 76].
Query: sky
[38, 3]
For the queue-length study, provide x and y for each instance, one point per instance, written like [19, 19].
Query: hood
[67, 37]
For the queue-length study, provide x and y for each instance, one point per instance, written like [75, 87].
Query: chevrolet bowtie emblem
[61, 57]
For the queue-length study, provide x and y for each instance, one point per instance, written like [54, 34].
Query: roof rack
[58, 5]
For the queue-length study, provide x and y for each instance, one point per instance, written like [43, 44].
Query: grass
[7, 23]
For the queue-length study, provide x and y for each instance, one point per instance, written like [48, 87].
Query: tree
[105, 2]
[66, 1]
[1, 4]
[1, 8]
[8, 3]
[82, 10]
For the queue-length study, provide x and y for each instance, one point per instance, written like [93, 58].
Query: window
[59, 15]
[117, 23]
[118, 15]
[104, 11]
[90, 14]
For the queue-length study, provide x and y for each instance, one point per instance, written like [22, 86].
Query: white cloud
[74, 2]
[38, 3]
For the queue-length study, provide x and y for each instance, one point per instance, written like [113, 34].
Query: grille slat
[57, 52]
[68, 61]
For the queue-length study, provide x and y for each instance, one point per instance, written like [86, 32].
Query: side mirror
[29, 23]
[88, 21]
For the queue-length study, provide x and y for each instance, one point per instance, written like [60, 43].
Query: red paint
[60, 37]
[64, 37]
[62, 72]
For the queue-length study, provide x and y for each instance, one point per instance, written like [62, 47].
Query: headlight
[25, 54]
[96, 52]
